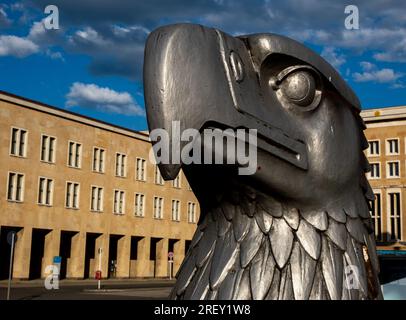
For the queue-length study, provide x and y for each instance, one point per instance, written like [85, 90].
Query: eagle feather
[277, 252]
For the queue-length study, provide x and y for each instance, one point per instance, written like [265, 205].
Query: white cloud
[124, 31]
[103, 99]
[54, 55]
[319, 36]
[17, 46]
[372, 73]
[90, 36]
[42, 36]
[371, 37]
[396, 52]
[38, 40]
[388, 43]
[398, 85]
[332, 56]
[367, 66]
[37, 30]
[383, 75]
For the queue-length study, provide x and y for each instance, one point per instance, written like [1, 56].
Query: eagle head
[297, 225]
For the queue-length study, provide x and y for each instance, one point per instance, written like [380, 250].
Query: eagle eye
[298, 86]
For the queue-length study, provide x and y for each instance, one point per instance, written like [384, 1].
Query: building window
[74, 154]
[45, 193]
[48, 148]
[18, 142]
[395, 232]
[373, 148]
[392, 146]
[176, 182]
[139, 204]
[158, 176]
[140, 168]
[191, 212]
[392, 169]
[175, 210]
[121, 163]
[119, 202]
[377, 216]
[98, 160]
[15, 189]
[96, 203]
[158, 203]
[375, 172]
[72, 195]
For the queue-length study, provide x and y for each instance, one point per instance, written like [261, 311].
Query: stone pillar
[123, 257]
[161, 263]
[22, 254]
[143, 264]
[76, 263]
[103, 242]
[51, 249]
[178, 255]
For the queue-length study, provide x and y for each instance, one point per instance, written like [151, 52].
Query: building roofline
[385, 108]
[69, 115]
[384, 114]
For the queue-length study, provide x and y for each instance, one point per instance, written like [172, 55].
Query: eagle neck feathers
[252, 246]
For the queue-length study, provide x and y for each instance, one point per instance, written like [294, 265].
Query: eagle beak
[183, 81]
[202, 78]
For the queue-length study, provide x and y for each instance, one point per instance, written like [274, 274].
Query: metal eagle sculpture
[300, 225]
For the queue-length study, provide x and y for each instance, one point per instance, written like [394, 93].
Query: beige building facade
[85, 191]
[386, 134]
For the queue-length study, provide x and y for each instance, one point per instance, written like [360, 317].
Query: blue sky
[93, 64]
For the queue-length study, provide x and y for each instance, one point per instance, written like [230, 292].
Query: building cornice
[386, 114]
[45, 108]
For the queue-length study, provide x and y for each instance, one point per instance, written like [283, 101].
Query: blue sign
[57, 259]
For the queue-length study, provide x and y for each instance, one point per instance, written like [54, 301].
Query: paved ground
[87, 290]
[148, 289]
